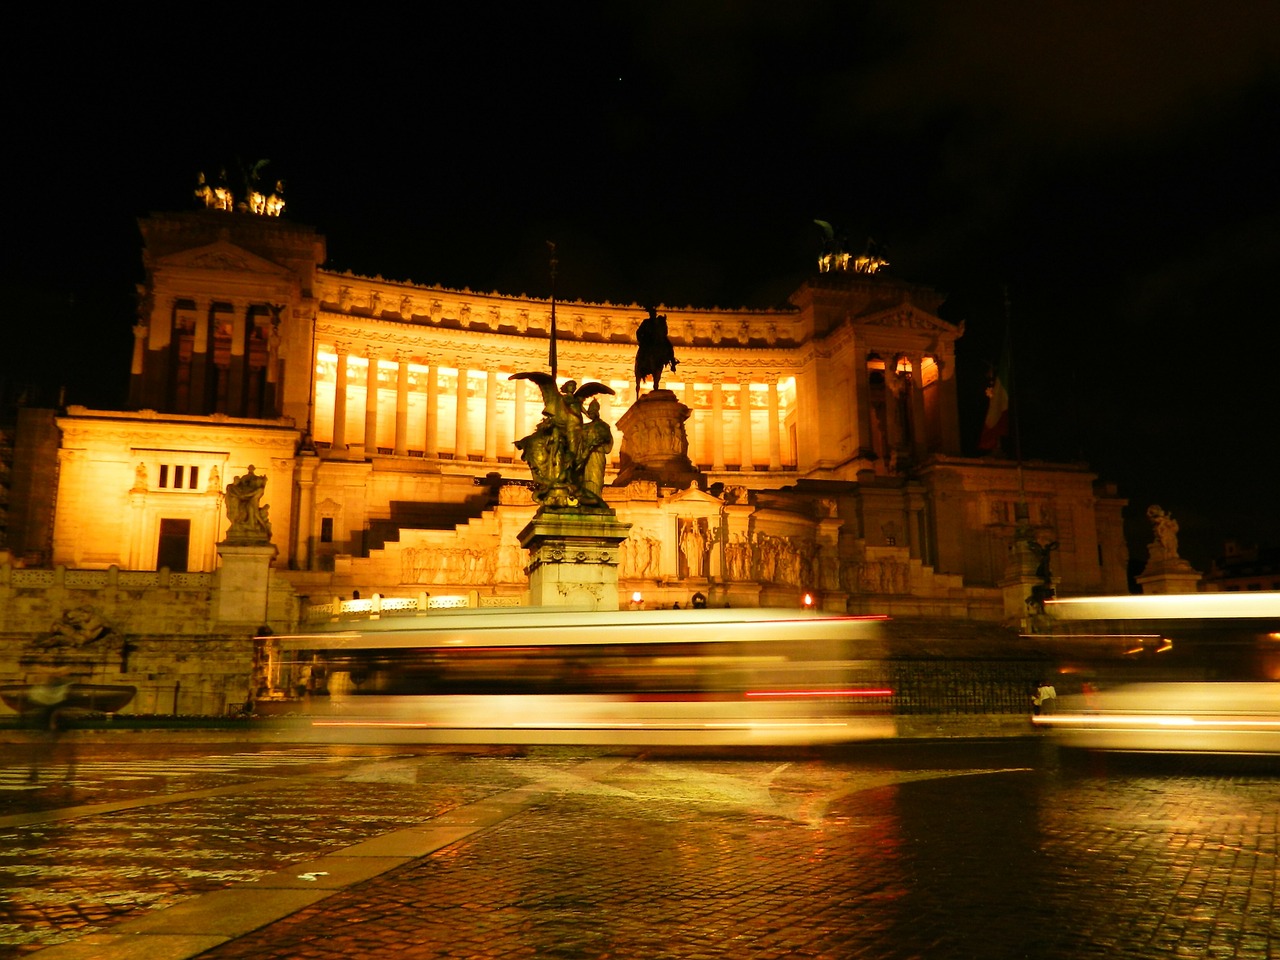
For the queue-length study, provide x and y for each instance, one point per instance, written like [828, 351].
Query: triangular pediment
[905, 316]
[222, 256]
[693, 501]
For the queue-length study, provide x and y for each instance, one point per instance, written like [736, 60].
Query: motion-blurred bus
[1187, 673]
[530, 676]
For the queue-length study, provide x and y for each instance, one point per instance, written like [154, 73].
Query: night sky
[1113, 166]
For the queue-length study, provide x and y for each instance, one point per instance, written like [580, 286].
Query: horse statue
[654, 352]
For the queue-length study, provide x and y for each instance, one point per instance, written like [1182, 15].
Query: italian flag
[996, 426]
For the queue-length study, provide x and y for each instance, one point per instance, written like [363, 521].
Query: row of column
[912, 434]
[746, 453]
[431, 439]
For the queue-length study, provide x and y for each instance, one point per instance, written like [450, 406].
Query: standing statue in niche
[693, 544]
[654, 352]
[564, 454]
[248, 517]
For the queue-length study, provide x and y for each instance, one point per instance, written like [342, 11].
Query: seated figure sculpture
[248, 518]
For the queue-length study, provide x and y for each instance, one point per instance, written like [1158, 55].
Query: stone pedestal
[655, 445]
[1169, 576]
[244, 581]
[574, 558]
[1021, 583]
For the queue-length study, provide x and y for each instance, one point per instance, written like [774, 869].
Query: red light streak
[819, 693]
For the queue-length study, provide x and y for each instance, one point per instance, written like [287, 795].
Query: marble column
[201, 359]
[746, 457]
[402, 406]
[774, 426]
[919, 426]
[238, 367]
[431, 441]
[948, 404]
[491, 415]
[460, 449]
[717, 424]
[304, 543]
[371, 406]
[339, 441]
[691, 425]
[862, 398]
[893, 387]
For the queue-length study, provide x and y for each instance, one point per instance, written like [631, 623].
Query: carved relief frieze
[907, 318]
[219, 260]
[186, 438]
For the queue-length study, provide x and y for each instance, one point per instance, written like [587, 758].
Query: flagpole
[1022, 513]
[552, 348]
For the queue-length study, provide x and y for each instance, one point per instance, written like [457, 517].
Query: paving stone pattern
[64, 878]
[805, 860]
[895, 851]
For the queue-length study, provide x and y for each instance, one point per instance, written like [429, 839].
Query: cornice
[192, 433]
[383, 301]
[390, 338]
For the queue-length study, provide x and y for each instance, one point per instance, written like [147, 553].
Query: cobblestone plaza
[916, 849]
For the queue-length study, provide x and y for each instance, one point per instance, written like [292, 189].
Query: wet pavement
[990, 849]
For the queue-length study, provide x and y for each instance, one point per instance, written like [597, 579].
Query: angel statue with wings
[560, 448]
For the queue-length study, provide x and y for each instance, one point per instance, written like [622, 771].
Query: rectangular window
[164, 475]
[326, 530]
[195, 474]
[177, 478]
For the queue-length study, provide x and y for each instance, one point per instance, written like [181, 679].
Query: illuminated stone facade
[383, 416]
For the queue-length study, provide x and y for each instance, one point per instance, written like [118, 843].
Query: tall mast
[1021, 510]
[552, 348]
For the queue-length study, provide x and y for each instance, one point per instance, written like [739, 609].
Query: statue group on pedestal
[567, 451]
[247, 516]
[218, 196]
[1164, 548]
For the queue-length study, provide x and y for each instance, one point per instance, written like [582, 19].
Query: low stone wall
[965, 726]
[152, 630]
[173, 675]
[34, 601]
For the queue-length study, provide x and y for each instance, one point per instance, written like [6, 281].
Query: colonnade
[165, 376]
[711, 429]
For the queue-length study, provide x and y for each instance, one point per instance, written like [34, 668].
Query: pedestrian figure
[42, 715]
[1045, 699]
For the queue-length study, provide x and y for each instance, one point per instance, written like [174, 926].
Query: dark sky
[1112, 165]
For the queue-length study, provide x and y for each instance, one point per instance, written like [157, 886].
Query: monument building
[809, 450]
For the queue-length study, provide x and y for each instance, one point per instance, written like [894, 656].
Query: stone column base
[244, 580]
[1182, 578]
[574, 559]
